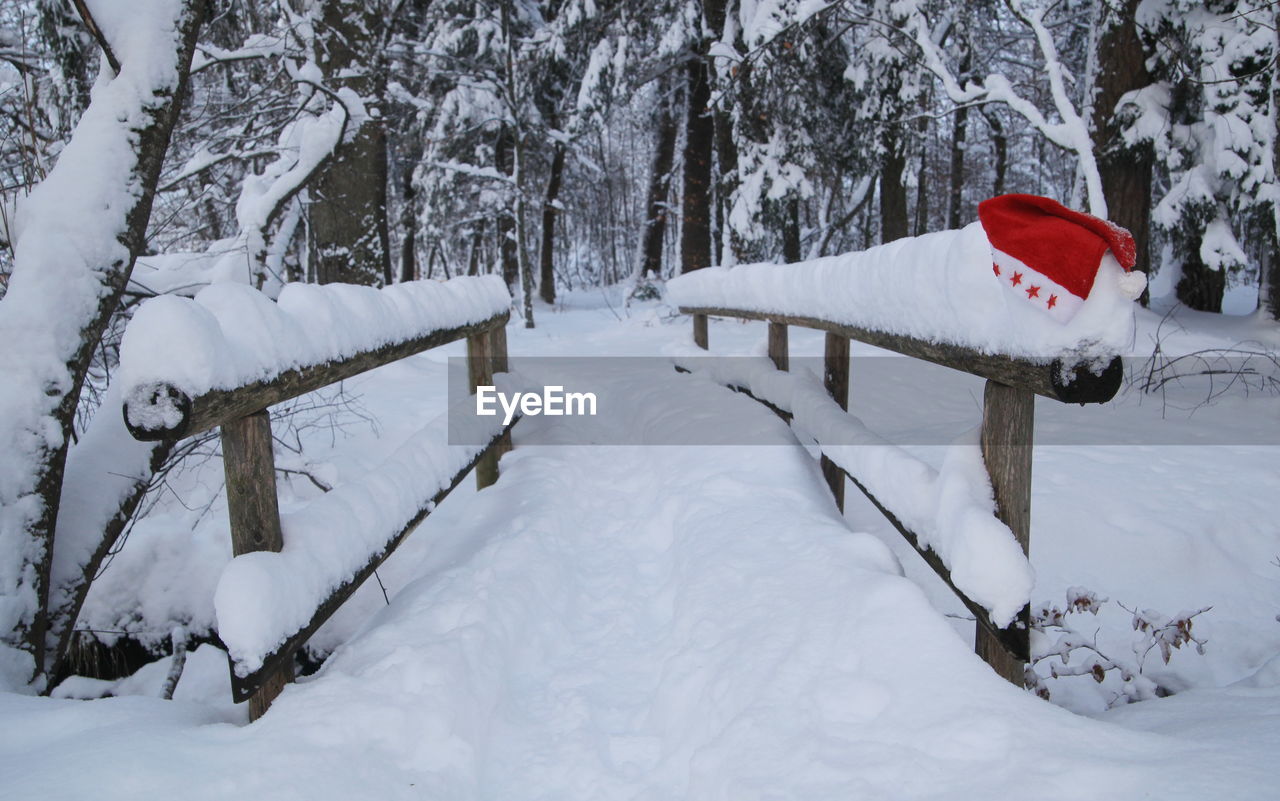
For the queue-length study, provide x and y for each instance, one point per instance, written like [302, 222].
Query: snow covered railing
[947, 515]
[221, 359]
[1068, 377]
[190, 364]
[1006, 439]
[1035, 298]
[270, 601]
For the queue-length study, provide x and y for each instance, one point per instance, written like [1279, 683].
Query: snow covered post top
[944, 288]
[186, 364]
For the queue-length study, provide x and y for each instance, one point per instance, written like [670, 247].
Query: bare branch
[89, 22]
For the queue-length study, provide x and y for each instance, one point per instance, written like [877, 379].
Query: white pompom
[1132, 283]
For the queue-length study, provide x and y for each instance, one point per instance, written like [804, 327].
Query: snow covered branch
[1071, 133]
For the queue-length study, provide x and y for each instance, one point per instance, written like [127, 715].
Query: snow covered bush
[1055, 634]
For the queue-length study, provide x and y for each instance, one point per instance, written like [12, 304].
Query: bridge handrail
[174, 400]
[1065, 378]
[1006, 437]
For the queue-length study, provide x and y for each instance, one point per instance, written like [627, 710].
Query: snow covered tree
[1210, 118]
[890, 89]
[75, 240]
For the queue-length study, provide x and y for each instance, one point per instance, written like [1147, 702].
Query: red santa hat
[1049, 255]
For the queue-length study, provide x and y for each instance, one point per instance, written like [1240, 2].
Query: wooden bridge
[261, 665]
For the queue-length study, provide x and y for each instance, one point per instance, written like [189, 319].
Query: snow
[938, 287]
[263, 598]
[699, 622]
[230, 334]
[951, 510]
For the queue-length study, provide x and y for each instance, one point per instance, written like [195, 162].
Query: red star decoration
[1017, 278]
[1053, 301]
[1033, 292]
[996, 267]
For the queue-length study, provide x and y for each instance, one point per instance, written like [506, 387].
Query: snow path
[640, 623]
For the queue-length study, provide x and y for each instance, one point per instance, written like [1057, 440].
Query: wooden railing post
[700, 330]
[778, 348]
[1008, 434]
[835, 377]
[249, 465]
[498, 360]
[480, 369]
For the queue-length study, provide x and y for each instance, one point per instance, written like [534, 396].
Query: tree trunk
[526, 270]
[1125, 171]
[68, 595]
[959, 133]
[349, 196]
[1000, 144]
[61, 29]
[1201, 288]
[547, 274]
[505, 163]
[922, 172]
[893, 198]
[409, 230]
[922, 194]
[655, 226]
[1269, 284]
[727, 185]
[791, 232]
[477, 242]
[517, 135]
[695, 233]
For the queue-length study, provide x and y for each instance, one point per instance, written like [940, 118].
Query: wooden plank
[1008, 435]
[700, 330]
[187, 415]
[835, 377]
[480, 374]
[1068, 382]
[244, 687]
[249, 464]
[779, 352]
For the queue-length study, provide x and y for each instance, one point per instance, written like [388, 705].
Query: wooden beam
[165, 412]
[249, 464]
[1008, 435]
[480, 368]
[1010, 640]
[1059, 379]
[835, 377]
[700, 330]
[244, 687]
[779, 352]
[498, 356]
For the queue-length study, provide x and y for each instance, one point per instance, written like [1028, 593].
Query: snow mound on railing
[230, 334]
[938, 287]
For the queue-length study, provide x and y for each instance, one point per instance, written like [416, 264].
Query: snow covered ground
[658, 622]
